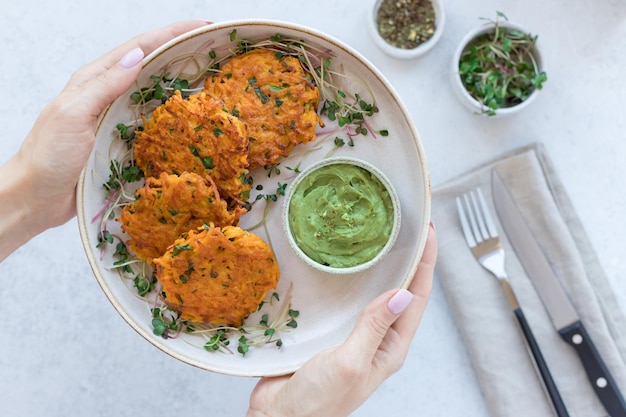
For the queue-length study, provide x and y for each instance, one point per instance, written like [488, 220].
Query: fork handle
[553, 392]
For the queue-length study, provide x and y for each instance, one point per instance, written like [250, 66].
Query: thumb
[110, 84]
[375, 321]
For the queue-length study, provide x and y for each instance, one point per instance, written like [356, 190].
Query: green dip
[341, 215]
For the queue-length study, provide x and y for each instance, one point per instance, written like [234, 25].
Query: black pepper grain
[406, 24]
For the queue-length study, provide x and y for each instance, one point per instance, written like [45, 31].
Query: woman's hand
[37, 186]
[61, 140]
[337, 381]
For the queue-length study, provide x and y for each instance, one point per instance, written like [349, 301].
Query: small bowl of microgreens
[406, 28]
[498, 68]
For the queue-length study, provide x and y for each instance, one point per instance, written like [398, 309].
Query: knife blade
[560, 309]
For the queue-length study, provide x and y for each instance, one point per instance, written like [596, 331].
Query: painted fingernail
[399, 301]
[131, 58]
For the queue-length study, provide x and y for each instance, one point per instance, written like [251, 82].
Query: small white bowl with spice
[406, 29]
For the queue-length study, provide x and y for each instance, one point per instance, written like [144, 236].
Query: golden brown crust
[196, 135]
[168, 206]
[217, 275]
[273, 97]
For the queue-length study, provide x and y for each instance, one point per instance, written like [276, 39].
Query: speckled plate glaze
[328, 304]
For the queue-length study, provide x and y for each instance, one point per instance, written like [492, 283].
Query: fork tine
[493, 232]
[469, 237]
[480, 222]
[481, 213]
[471, 214]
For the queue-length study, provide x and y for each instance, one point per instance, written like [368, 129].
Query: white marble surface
[63, 348]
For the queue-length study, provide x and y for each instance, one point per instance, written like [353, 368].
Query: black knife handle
[603, 383]
[542, 366]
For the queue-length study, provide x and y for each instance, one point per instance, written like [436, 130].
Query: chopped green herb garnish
[179, 248]
[207, 162]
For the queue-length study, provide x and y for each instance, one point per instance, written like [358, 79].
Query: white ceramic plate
[328, 304]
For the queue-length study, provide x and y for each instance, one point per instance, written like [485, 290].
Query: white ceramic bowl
[395, 218]
[394, 51]
[328, 306]
[457, 85]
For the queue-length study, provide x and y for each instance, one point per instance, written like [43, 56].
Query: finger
[100, 91]
[147, 42]
[266, 389]
[395, 346]
[423, 280]
[420, 287]
[104, 82]
[150, 41]
[374, 323]
[382, 313]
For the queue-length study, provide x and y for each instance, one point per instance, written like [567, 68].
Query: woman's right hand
[337, 381]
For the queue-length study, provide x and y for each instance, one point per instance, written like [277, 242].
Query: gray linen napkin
[503, 366]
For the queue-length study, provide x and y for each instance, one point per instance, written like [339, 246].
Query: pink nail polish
[132, 58]
[399, 301]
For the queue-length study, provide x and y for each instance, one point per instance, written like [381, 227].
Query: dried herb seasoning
[406, 24]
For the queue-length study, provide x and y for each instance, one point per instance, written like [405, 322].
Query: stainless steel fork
[482, 238]
[480, 233]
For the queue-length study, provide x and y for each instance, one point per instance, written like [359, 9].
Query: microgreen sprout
[161, 89]
[272, 170]
[144, 284]
[498, 68]
[243, 345]
[295, 169]
[103, 238]
[121, 251]
[217, 341]
[122, 174]
[166, 323]
[279, 319]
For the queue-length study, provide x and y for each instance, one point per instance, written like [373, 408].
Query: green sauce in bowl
[341, 214]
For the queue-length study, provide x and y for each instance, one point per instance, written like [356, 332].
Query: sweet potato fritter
[273, 97]
[168, 206]
[196, 135]
[217, 275]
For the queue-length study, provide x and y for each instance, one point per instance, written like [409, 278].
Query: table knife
[564, 317]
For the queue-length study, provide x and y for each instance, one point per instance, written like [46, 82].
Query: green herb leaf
[179, 248]
[263, 97]
[207, 162]
[132, 173]
[243, 346]
[158, 326]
